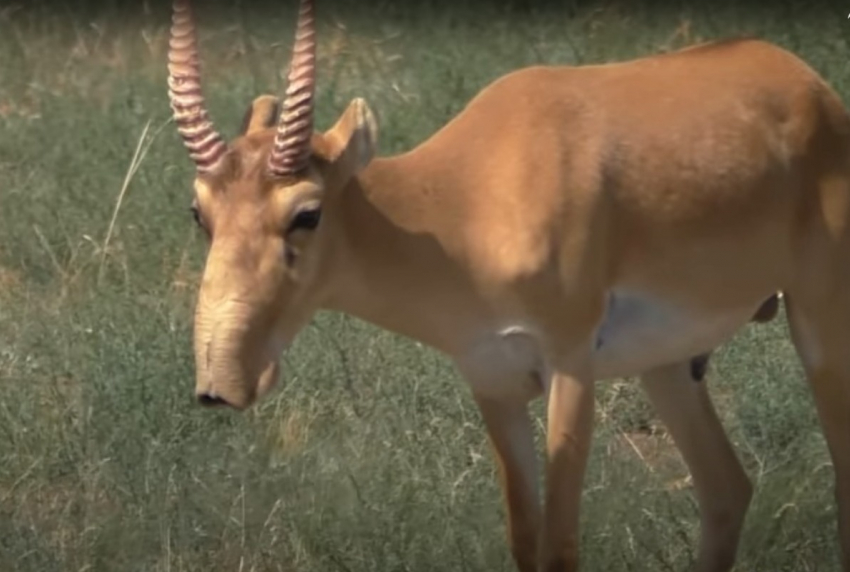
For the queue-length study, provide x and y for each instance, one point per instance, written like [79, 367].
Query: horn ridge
[205, 145]
[291, 149]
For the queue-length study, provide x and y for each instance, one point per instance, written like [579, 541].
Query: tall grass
[371, 456]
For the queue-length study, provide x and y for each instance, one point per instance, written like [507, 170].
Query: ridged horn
[295, 126]
[205, 144]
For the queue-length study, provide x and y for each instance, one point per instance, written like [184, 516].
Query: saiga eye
[196, 214]
[306, 219]
[199, 219]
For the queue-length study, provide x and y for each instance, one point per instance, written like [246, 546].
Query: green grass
[372, 456]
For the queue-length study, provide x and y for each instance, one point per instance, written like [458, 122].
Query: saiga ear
[353, 139]
[262, 114]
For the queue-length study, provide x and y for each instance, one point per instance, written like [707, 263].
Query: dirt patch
[9, 279]
[292, 432]
[658, 453]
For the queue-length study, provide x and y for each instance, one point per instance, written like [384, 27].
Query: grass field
[372, 456]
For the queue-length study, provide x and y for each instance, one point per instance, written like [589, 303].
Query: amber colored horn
[295, 126]
[205, 144]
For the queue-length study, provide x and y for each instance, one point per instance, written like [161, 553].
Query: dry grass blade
[142, 148]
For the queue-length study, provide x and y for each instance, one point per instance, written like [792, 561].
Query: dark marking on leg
[699, 367]
[768, 310]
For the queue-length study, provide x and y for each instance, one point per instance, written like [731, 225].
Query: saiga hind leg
[722, 488]
[820, 330]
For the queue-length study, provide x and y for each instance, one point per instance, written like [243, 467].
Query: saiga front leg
[511, 436]
[570, 416]
[502, 397]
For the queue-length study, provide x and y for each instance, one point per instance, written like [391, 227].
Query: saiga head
[267, 205]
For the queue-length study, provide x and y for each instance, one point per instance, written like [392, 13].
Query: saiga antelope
[570, 224]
